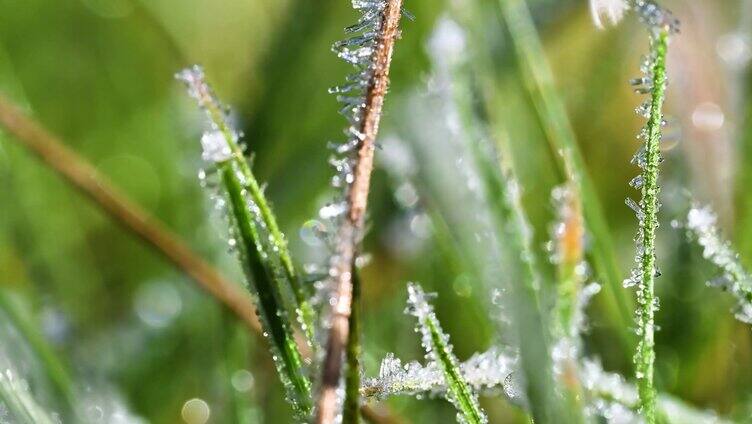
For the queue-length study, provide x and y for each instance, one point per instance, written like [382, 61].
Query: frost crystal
[612, 9]
[215, 147]
[702, 224]
[485, 372]
[217, 141]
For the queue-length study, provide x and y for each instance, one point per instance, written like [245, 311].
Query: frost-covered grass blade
[660, 25]
[220, 146]
[252, 224]
[702, 225]
[439, 351]
[369, 49]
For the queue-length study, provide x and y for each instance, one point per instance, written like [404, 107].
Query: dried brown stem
[352, 227]
[84, 177]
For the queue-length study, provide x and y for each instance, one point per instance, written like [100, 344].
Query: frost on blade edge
[439, 351]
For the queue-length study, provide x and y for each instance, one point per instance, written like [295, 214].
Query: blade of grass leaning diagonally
[370, 51]
[278, 250]
[248, 236]
[560, 134]
[85, 178]
[702, 225]
[439, 351]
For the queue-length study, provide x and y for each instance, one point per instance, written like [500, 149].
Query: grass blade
[660, 25]
[702, 225]
[560, 134]
[370, 51]
[227, 144]
[439, 350]
[250, 228]
[81, 175]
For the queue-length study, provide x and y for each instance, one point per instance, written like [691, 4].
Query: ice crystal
[485, 372]
[612, 9]
[702, 224]
[216, 142]
[358, 50]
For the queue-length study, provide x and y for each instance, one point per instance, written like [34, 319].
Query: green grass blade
[560, 134]
[250, 230]
[643, 276]
[269, 297]
[702, 226]
[350, 413]
[199, 89]
[439, 350]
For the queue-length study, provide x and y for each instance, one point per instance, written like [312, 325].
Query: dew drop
[195, 411]
[708, 117]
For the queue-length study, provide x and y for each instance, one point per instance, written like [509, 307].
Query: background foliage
[99, 73]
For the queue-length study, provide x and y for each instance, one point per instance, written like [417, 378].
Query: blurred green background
[137, 332]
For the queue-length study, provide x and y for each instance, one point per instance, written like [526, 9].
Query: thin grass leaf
[222, 145]
[560, 134]
[702, 225]
[660, 25]
[369, 49]
[439, 350]
[251, 226]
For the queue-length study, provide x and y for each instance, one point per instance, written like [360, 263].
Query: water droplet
[312, 233]
[242, 380]
[734, 49]
[708, 117]
[156, 304]
[195, 411]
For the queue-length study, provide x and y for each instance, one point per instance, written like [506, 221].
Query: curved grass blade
[439, 350]
[252, 224]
